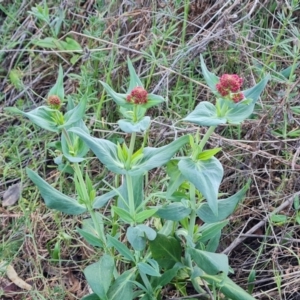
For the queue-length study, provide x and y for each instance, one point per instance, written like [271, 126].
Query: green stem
[193, 213]
[131, 149]
[130, 196]
[207, 135]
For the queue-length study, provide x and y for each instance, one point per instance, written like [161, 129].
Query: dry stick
[237, 241]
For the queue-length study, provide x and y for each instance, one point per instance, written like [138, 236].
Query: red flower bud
[138, 96]
[237, 97]
[54, 101]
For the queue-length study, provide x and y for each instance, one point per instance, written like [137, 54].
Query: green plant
[175, 249]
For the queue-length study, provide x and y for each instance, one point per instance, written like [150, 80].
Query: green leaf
[80, 149]
[242, 110]
[76, 114]
[208, 231]
[166, 251]
[157, 157]
[89, 232]
[55, 199]
[153, 100]
[174, 211]
[210, 78]
[206, 175]
[137, 236]
[210, 263]
[213, 243]
[100, 201]
[91, 297]
[71, 44]
[123, 214]
[122, 288]
[41, 116]
[105, 151]
[151, 269]
[207, 154]
[167, 277]
[134, 79]
[287, 72]
[228, 287]
[205, 114]
[58, 88]
[120, 99]
[121, 248]
[176, 178]
[130, 127]
[138, 192]
[225, 207]
[100, 274]
[143, 215]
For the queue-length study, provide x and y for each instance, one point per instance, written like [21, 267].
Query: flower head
[138, 96]
[229, 86]
[237, 97]
[54, 101]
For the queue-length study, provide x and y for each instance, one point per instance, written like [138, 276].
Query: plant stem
[193, 213]
[130, 196]
[131, 149]
[208, 133]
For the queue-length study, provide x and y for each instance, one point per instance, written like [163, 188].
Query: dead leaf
[12, 195]
[13, 276]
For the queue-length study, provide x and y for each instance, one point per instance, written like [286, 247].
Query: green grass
[160, 41]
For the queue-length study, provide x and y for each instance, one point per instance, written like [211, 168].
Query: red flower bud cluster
[138, 96]
[54, 101]
[229, 86]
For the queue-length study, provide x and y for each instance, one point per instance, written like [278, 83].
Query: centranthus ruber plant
[144, 247]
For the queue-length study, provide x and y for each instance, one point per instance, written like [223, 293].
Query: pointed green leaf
[134, 79]
[227, 287]
[130, 127]
[100, 274]
[123, 214]
[122, 288]
[58, 88]
[89, 233]
[210, 78]
[137, 236]
[76, 114]
[210, 263]
[120, 99]
[91, 297]
[205, 114]
[208, 231]
[100, 201]
[55, 199]
[105, 150]
[79, 146]
[153, 100]
[166, 251]
[41, 116]
[143, 215]
[157, 157]
[207, 154]
[122, 249]
[242, 110]
[225, 207]
[176, 178]
[206, 175]
[148, 269]
[174, 211]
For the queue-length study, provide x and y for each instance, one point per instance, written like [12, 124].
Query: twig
[241, 238]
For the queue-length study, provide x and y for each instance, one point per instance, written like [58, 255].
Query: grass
[164, 40]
